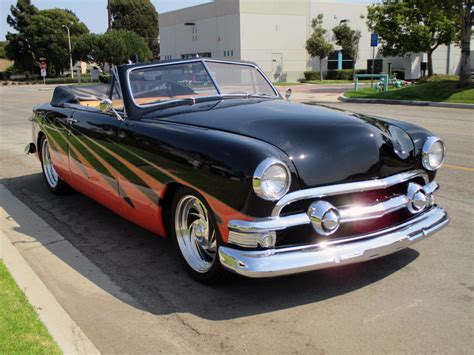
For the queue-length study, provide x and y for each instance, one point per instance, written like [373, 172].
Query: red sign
[43, 65]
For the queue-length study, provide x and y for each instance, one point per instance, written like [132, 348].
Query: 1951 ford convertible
[208, 153]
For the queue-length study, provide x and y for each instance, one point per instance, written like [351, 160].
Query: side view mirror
[288, 93]
[107, 106]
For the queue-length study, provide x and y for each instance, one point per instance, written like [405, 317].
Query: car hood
[325, 145]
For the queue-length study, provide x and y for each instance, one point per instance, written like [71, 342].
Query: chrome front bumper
[291, 260]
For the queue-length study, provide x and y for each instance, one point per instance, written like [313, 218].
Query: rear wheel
[196, 237]
[53, 181]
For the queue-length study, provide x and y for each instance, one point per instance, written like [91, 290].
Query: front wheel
[196, 237]
[54, 182]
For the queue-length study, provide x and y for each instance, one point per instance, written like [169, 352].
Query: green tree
[348, 39]
[114, 47]
[2, 50]
[18, 47]
[317, 45]
[48, 36]
[139, 16]
[86, 47]
[406, 26]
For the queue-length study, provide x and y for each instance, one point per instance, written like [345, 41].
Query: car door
[140, 182]
[92, 155]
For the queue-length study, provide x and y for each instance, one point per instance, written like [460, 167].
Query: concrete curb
[62, 328]
[344, 98]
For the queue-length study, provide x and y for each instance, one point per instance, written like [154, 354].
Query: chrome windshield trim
[208, 71]
[206, 68]
[351, 187]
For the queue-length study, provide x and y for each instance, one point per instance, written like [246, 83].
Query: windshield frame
[219, 94]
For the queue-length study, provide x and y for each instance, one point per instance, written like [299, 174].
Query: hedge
[312, 75]
[335, 74]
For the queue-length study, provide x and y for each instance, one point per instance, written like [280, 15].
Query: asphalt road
[418, 300]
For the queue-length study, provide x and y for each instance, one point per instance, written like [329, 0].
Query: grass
[21, 331]
[318, 82]
[436, 91]
[285, 83]
[332, 82]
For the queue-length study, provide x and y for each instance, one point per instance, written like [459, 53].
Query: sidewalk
[81, 307]
[62, 328]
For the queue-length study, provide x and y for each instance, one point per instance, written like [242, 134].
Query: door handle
[71, 120]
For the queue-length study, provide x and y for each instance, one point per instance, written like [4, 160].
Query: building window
[196, 55]
[168, 57]
[229, 53]
[339, 60]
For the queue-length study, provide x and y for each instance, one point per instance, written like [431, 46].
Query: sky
[94, 13]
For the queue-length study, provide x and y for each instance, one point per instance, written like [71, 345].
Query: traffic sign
[42, 65]
[374, 40]
[43, 72]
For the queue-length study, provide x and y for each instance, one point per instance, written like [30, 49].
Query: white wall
[264, 36]
[333, 13]
[216, 29]
[261, 30]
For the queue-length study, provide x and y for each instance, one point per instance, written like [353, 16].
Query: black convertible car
[208, 153]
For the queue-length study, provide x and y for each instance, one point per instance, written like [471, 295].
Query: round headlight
[272, 179]
[433, 153]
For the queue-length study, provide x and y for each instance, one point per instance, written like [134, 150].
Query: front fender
[217, 164]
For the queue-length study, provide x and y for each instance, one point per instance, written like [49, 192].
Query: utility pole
[70, 51]
[109, 16]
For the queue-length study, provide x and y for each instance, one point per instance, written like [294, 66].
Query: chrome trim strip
[349, 214]
[361, 213]
[268, 224]
[346, 188]
[431, 187]
[291, 260]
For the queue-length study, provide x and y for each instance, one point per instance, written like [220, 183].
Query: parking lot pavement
[316, 92]
[418, 300]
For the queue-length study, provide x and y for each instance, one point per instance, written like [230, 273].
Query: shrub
[312, 75]
[336, 74]
[11, 70]
[67, 80]
[104, 78]
[439, 77]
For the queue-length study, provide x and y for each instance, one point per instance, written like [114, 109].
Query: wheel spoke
[50, 173]
[196, 237]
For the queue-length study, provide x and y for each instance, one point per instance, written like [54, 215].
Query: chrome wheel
[195, 234]
[48, 168]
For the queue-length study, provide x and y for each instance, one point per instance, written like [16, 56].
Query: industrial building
[273, 34]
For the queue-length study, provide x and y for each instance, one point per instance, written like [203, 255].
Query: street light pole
[70, 51]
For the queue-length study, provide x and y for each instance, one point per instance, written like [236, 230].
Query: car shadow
[145, 266]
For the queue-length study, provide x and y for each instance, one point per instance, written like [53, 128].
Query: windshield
[239, 79]
[163, 83]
